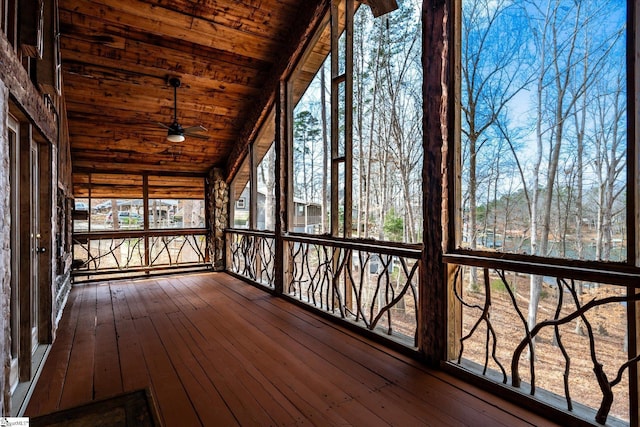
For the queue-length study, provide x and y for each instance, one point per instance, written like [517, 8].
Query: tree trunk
[114, 214]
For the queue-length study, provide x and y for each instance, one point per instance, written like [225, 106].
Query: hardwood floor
[218, 352]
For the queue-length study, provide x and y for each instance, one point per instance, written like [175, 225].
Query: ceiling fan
[175, 131]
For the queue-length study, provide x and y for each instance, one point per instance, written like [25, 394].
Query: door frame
[13, 141]
[36, 233]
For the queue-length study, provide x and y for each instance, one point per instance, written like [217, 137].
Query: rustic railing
[98, 252]
[368, 283]
[372, 284]
[575, 356]
[251, 254]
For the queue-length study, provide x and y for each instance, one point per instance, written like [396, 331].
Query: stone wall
[218, 208]
[5, 252]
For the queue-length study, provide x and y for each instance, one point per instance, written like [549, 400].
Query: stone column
[218, 209]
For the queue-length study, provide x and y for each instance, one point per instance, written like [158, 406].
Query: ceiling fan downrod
[175, 133]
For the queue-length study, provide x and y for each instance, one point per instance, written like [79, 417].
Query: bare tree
[610, 161]
[558, 32]
[492, 75]
[267, 176]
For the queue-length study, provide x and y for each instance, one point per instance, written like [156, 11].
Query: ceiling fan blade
[197, 128]
[196, 135]
[162, 125]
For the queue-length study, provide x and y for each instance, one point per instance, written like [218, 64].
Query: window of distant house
[240, 194]
[264, 151]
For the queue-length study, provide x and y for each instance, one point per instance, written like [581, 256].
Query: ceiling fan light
[175, 137]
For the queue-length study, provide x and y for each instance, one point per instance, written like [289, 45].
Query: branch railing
[97, 252]
[251, 254]
[372, 284]
[572, 354]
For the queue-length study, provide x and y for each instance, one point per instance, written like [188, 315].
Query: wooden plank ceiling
[117, 57]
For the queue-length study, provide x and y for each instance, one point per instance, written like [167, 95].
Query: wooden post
[633, 203]
[348, 120]
[145, 216]
[348, 149]
[282, 184]
[432, 323]
[253, 188]
[335, 82]
[90, 204]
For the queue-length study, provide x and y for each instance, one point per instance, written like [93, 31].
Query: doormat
[132, 409]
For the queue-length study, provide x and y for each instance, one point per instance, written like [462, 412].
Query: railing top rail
[387, 248]
[617, 275]
[139, 233]
[261, 233]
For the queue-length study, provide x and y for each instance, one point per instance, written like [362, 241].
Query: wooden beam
[129, 167]
[128, 156]
[282, 187]
[268, 18]
[158, 147]
[105, 76]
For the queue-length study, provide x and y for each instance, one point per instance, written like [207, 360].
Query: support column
[218, 208]
[282, 141]
[437, 40]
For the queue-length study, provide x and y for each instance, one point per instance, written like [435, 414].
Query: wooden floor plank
[215, 351]
[296, 361]
[47, 399]
[245, 392]
[249, 369]
[78, 385]
[361, 354]
[175, 405]
[204, 396]
[347, 372]
[134, 298]
[107, 373]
